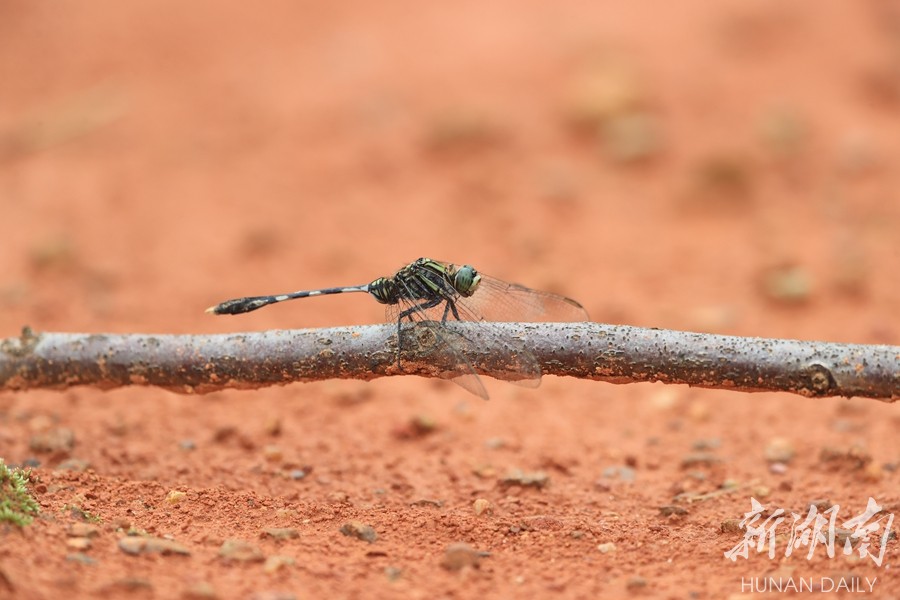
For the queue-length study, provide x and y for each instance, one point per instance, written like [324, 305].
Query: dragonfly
[431, 292]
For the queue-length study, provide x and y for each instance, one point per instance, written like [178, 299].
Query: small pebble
[481, 506]
[707, 444]
[202, 590]
[240, 551]
[273, 595]
[632, 137]
[845, 426]
[78, 543]
[821, 504]
[81, 557]
[699, 412]
[39, 423]
[784, 132]
[360, 531]
[723, 180]
[224, 433]
[664, 398]
[56, 439]
[730, 526]
[787, 284]
[427, 502]
[417, 427]
[273, 453]
[607, 90]
[460, 555]
[713, 318]
[336, 497]
[635, 583]
[83, 530]
[669, 510]
[779, 450]
[484, 471]
[73, 464]
[855, 457]
[462, 131]
[699, 459]
[77, 512]
[297, 474]
[622, 473]
[187, 445]
[761, 491]
[175, 496]
[281, 533]
[150, 545]
[276, 562]
[131, 584]
[778, 468]
[537, 479]
[873, 472]
[273, 426]
[606, 547]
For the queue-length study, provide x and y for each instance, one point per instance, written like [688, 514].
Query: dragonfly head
[466, 280]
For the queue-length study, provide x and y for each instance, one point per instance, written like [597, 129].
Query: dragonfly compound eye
[466, 280]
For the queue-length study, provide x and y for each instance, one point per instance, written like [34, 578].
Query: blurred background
[727, 167]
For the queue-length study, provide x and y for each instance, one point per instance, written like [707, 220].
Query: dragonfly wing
[496, 300]
[447, 346]
[524, 363]
[472, 383]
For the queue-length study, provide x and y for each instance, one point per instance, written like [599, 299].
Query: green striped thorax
[425, 279]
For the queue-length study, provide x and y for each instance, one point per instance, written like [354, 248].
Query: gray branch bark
[197, 364]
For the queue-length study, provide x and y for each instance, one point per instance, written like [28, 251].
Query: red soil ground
[729, 167]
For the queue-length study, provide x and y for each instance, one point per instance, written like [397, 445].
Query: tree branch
[197, 364]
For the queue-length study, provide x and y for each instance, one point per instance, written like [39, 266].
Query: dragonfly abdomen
[385, 290]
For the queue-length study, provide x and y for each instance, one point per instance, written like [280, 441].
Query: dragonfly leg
[424, 306]
[452, 306]
[408, 313]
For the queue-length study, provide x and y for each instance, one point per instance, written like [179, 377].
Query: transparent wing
[448, 347]
[526, 365]
[496, 300]
[499, 301]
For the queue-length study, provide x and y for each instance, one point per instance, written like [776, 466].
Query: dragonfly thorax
[426, 280]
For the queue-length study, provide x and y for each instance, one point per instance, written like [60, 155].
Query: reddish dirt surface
[728, 167]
